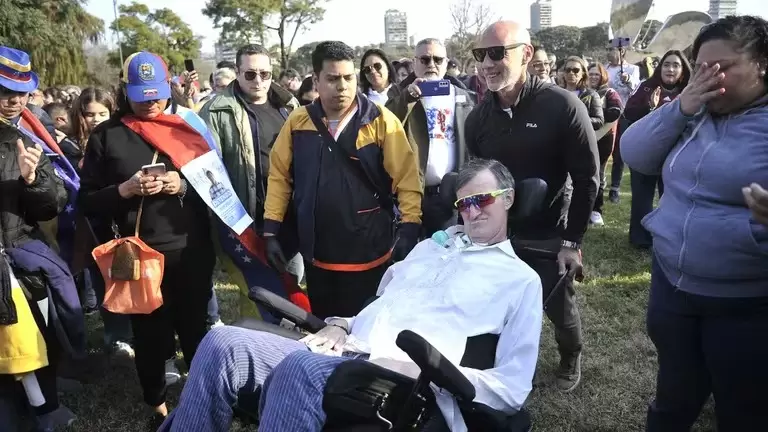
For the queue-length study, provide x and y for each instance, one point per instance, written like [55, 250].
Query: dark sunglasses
[478, 200]
[496, 53]
[251, 75]
[426, 60]
[572, 70]
[376, 66]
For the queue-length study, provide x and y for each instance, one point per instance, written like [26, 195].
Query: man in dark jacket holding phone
[539, 130]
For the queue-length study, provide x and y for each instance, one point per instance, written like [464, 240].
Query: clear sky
[359, 22]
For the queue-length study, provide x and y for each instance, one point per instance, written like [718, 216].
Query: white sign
[209, 178]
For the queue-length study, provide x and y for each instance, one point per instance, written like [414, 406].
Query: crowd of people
[341, 179]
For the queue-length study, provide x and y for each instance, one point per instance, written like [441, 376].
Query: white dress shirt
[448, 294]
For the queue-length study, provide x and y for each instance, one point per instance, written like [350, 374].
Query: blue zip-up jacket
[703, 235]
[64, 312]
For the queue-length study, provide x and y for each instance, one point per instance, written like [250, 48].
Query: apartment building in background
[721, 8]
[541, 15]
[224, 51]
[395, 28]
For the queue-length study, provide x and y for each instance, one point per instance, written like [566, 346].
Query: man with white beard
[435, 125]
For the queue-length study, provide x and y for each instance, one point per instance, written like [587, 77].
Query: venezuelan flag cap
[146, 77]
[16, 71]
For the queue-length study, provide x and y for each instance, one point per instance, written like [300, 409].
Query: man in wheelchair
[449, 289]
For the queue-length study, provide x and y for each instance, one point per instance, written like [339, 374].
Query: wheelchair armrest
[283, 308]
[434, 367]
[263, 326]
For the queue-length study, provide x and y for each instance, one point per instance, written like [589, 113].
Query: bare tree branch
[469, 18]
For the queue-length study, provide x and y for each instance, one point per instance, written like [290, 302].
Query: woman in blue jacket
[708, 305]
[668, 80]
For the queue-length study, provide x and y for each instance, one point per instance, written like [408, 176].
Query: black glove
[407, 237]
[274, 254]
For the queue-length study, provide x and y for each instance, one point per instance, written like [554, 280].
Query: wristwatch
[571, 245]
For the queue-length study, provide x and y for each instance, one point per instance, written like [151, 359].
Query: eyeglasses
[251, 75]
[479, 200]
[574, 71]
[496, 53]
[426, 60]
[540, 65]
[369, 69]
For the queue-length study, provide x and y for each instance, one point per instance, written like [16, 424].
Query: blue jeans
[643, 192]
[213, 308]
[117, 328]
[617, 168]
[707, 345]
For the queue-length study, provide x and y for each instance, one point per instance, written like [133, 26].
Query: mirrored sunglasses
[479, 200]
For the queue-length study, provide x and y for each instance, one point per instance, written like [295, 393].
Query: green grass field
[619, 363]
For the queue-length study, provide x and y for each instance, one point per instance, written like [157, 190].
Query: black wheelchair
[361, 396]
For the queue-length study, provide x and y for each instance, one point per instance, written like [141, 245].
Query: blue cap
[146, 77]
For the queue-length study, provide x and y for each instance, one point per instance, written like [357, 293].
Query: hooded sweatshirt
[704, 237]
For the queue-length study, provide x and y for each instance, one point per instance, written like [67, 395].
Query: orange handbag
[132, 271]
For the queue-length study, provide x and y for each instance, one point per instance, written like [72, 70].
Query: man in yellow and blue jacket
[342, 160]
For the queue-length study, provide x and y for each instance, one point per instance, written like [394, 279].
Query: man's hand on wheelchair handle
[331, 338]
[274, 253]
[569, 260]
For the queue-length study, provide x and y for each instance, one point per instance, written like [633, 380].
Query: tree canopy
[247, 21]
[53, 33]
[564, 41]
[161, 32]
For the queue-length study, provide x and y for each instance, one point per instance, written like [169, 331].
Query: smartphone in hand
[435, 88]
[157, 169]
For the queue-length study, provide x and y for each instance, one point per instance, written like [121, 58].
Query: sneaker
[57, 419]
[89, 311]
[172, 374]
[596, 219]
[568, 375]
[217, 324]
[155, 421]
[123, 349]
[613, 196]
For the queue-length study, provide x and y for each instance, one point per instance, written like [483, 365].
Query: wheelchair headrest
[529, 196]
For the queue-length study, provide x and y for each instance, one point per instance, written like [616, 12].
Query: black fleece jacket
[548, 136]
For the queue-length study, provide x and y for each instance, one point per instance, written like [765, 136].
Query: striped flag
[184, 137]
